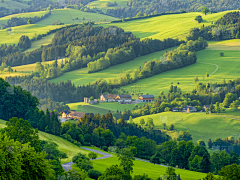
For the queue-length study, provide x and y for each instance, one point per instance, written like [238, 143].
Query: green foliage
[21, 161]
[92, 155]
[201, 142]
[142, 122]
[198, 19]
[229, 98]
[20, 130]
[156, 158]
[94, 174]
[113, 172]
[221, 54]
[204, 10]
[126, 158]
[24, 42]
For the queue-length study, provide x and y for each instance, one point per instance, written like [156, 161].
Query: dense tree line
[129, 50]
[153, 7]
[18, 21]
[229, 18]
[183, 56]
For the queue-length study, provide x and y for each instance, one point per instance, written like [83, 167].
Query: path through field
[67, 166]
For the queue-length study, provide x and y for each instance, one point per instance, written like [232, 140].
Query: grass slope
[103, 4]
[4, 20]
[200, 125]
[101, 108]
[24, 69]
[30, 30]
[13, 5]
[167, 26]
[81, 76]
[63, 145]
[206, 63]
[140, 167]
[66, 16]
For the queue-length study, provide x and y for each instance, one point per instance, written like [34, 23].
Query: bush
[221, 54]
[198, 19]
[105, 148]
[94, 174]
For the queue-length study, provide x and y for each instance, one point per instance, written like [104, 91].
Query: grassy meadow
[200, 125]
[13, 5]
[103, 4]
[81, 76]
[101, 108]
[140, 167]
[4, 19]
[24, 69]
[67, 16]
[63, 145]
[167, 26]
[30, 30]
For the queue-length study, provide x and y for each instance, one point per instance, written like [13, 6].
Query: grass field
[30, 30]
[4, 20]
[13, 5]
[233, 44]
[81, 76]
[101, 108]
[67, 16]
[208, 61]
[103, 4]
[167, 26]
[24, 69]
[200, 125]
[63, 145]
[140, 167]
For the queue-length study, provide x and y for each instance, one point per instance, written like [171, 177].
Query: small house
[146, 98]
[206, 106]
[124, 98]
[66, 114]
[191, 109]
[72, 115]
[174, 109]
[108, 97]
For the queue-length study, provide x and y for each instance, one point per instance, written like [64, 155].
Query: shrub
[105, 148]
[94, 174]
[221, 54]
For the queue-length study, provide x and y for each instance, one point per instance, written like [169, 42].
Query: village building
[124, 98]
[191, 109]
[72, 115]
[206, 106]
[108, 97]
[175, 109]
[146, 98]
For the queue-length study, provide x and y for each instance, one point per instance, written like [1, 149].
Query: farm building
[146, 98]
[206, 106]
[175, 109]
[72, 114]
[124, 98]
[191, 109]
[108, 97]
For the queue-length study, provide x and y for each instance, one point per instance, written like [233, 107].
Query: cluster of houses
[125, 98]
[189, 109]
[74, 115]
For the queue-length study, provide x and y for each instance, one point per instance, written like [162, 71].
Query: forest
[158, 6]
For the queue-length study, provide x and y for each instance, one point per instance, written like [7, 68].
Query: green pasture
[30, 30]
[140, 167]
[81, 76]
[208, 61]
[167, 26]
[13, 5]
[200, 125]
[4, 19]
[67, 16]
[103, 4]
[63, 145]
[101, 108]
[24, 69]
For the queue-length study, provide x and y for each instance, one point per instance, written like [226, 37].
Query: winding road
[67, 166]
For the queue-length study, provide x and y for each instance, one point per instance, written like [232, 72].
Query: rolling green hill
[200, 125]
[24, 69]
[67, 16]
[81, 76]
[103, 4]
[13, 5]
[167, 26]
[30, 30]
[4, 20]
[63, 145]
[140, 167]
